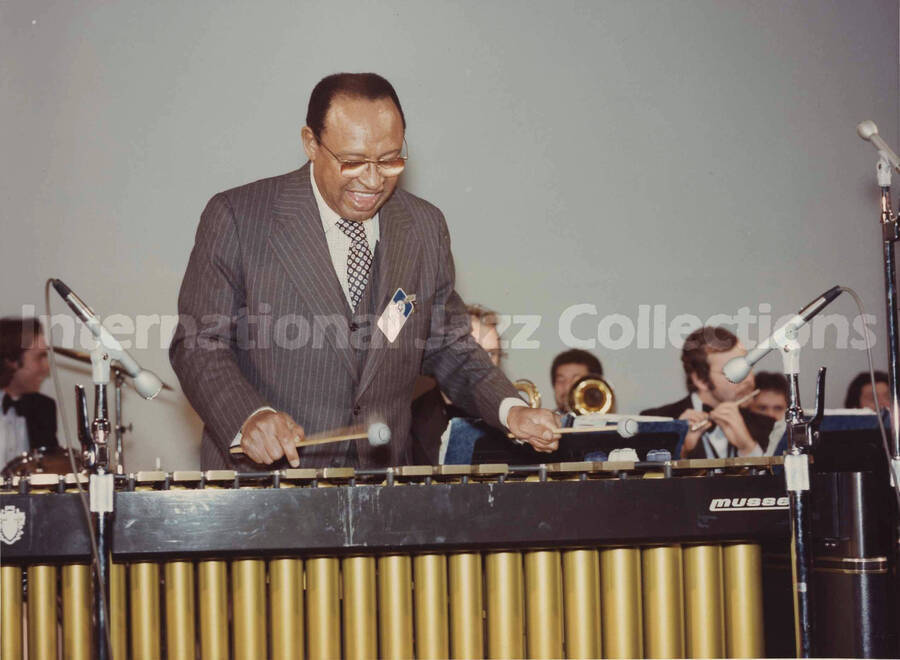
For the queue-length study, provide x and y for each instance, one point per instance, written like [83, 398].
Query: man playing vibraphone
[314, 299]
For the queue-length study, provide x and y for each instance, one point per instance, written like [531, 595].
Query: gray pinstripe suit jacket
[263, 321]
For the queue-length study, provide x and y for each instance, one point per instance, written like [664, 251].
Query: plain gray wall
[699, 155]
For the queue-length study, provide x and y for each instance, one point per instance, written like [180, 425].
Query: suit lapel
[299, 244]
[398, 260]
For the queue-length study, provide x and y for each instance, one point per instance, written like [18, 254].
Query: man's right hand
[268, 436]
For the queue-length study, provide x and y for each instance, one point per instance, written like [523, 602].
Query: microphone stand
[801, 433]
[890, 233]
[95, 443]
[121, 429]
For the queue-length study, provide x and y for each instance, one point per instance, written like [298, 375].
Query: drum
[49, 460]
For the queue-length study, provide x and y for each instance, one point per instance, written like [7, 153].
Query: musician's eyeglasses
[497, 355]
[387, 167]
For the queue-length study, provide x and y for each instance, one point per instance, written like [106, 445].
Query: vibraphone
[566, 560]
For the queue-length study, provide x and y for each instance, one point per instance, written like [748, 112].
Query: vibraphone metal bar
[455, 561]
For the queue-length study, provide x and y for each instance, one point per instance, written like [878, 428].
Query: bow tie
[9, 402]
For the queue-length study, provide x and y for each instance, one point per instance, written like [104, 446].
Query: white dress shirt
[13, 435]
[338, 242]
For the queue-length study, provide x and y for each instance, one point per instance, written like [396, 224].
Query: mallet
[378, 434]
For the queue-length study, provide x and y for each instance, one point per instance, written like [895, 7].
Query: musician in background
[772, 399]
[567, 368]
[432, 410]
[859, 393]
[736, 431]
[28, 418]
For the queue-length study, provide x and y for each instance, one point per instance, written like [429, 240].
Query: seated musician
[566, 369]
[28, 421]
[735, 431]
[432, 410]
[859, 393]
[772, 399]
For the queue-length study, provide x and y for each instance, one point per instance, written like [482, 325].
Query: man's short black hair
[697, 347]
[772, 381]
[854, 391]
[16, 335]
[576, 356]
[355, 85]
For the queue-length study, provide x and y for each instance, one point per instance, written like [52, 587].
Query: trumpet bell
[591, 394]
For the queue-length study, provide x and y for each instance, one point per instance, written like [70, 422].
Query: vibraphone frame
[457, 561]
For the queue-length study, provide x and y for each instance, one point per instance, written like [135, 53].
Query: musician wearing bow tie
[29, 418]
[732, 430]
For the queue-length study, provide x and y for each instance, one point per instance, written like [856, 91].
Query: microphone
[867, 130]
[145, 382]
[736, 369]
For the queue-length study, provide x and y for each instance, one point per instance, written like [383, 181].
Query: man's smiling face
[355, 129]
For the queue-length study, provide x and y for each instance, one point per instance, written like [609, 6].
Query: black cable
[884, 437]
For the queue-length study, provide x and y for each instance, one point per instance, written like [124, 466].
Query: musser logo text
[748, 503]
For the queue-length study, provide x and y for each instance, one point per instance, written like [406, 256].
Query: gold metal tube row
[620, 588]
[395, 628]
[543, 604]
[118, 611]
[359, 603]
[705, 624]
[431, 606]
[42, 638]
[663, 600]
[180, 632]
[505, 605]
[76, 592]
[286, 609]
[248, 578]
[323, 613]
[10, 613]
[466, 605]
[581, 593]
[744, 634]
[144, 600]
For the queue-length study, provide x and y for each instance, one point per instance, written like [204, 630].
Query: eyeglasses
[387, 167]
[497, 354]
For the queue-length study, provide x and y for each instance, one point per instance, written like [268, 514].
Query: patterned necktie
[359, 259]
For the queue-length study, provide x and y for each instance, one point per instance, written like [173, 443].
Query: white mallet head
[379, 434]
[627, 427]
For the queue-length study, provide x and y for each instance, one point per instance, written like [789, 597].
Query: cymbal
[82, 356]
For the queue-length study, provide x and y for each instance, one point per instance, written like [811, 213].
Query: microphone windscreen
[866, 129]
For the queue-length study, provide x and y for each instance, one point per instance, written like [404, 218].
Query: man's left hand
[728, 416]
[536, 426]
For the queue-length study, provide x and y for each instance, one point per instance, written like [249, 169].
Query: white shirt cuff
[508, 404]
[240, 433]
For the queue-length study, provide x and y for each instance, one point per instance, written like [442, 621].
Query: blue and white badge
[396, 313]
